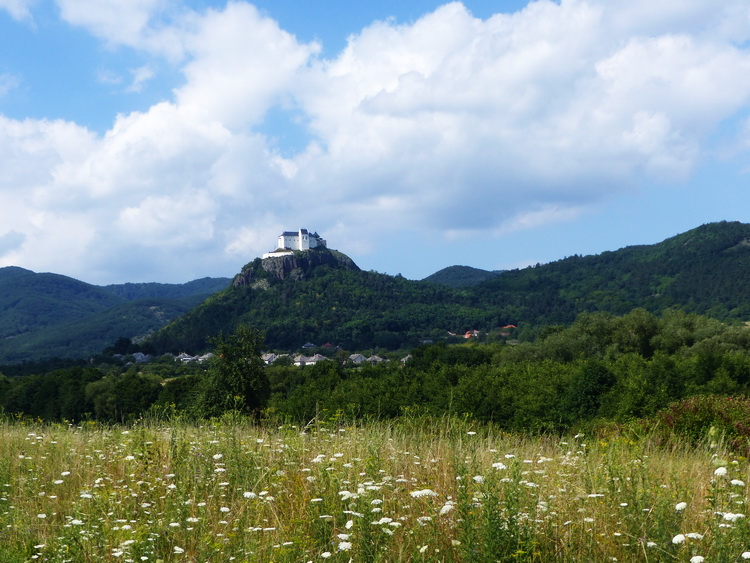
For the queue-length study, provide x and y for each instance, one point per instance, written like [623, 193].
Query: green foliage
[133, 394]
[711, 417]
[600, 368]
[237, 379]
[693, 273]
[591, 380]
[460, 276]
[48, 315]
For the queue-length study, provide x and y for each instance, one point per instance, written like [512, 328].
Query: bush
[710, 416]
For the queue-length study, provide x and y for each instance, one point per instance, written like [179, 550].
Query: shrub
[710, 416]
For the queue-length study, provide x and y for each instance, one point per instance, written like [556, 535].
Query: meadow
[411, 489]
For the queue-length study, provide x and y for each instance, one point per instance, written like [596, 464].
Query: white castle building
[290, 241]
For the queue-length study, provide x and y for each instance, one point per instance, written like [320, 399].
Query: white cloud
[18, 9]
[452, 124]
[141, 75]
[241, 64]
[7, 83]
[116, 21]
[150, 25]
[471, 123]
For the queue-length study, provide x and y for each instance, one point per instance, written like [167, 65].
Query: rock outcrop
[292, 267]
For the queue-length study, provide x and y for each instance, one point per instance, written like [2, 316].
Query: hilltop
[696, 271]
[461, 276]
[320, 295]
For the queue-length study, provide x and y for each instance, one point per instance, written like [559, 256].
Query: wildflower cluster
[235, 491]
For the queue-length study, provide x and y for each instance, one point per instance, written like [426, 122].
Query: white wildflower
[447, 507]
[678, 539]
[732, 516]
[720, 471]
[680, 506]
[423, 493]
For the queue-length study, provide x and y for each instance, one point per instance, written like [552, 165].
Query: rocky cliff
[294, 267]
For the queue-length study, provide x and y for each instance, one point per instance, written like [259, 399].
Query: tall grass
[409, 490]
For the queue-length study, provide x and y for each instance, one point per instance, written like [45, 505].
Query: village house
[302, 360]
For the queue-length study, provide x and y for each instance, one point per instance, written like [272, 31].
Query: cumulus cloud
[469, 123]
[18, 9]
[150, 25]
[451, 123]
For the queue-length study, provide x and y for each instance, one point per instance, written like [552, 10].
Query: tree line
[600, 367]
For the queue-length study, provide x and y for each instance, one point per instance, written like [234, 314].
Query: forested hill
[45, 315]
[461, 276]
[324, 297]
[699, 271]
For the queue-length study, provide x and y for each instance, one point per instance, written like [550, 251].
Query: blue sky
[167, 140]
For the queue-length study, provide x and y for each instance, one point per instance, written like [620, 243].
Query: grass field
[409, 490]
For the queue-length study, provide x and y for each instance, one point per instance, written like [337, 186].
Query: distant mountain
[134, 291]
[322, 296]
[46, 315]
[700, 271]
[461, 276]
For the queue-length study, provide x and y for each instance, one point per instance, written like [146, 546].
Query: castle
[290, 241]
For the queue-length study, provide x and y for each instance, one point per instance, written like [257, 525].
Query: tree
[237, 379]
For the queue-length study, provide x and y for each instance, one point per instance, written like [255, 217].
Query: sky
[170, 140]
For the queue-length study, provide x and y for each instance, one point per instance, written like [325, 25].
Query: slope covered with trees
[461, 276]
[48, 315]
[696, 272]
[346, 306]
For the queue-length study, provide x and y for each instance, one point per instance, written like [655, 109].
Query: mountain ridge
[696, 271]
[323, 296]
[45, 315]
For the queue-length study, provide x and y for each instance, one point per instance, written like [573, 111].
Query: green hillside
[699, 271]
[135, 291]
[326, 302]
[49, 315]
[461, 276]
[322, 296]
[30, 301]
